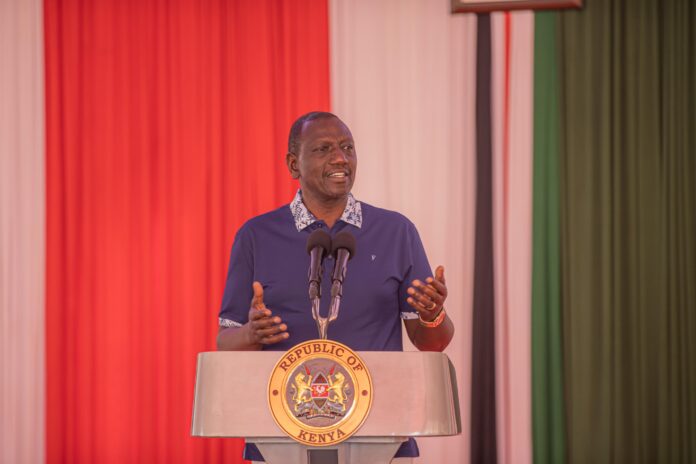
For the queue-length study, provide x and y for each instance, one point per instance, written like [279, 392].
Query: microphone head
[319, 238]
[345, 240]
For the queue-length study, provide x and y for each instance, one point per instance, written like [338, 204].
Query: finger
[418, 295]
[432, 288]
[430, 282]
[272, 330]
[274, 338]
[414, 304]
[425, 313]
[439, 281]
[440, 274]
[256, 314]
[433, 293]
[438, 286]
[264, 323]
[257, 300]
[423, 287]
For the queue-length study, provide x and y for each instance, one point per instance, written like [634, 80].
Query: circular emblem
[320, 392]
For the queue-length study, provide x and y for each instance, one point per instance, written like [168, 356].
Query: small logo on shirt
[373, 257]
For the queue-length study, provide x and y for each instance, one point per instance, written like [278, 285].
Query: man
[269, 262]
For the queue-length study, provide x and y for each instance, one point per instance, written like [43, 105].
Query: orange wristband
[435, 322]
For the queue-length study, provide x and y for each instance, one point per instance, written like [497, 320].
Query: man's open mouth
[338, 174]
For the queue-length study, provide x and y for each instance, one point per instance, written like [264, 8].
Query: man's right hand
[264, 328]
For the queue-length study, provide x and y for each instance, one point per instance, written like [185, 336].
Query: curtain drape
[483, 372]
[512, 55]
[547, 337]
[403, 78]
[627, 230]
[166, 128]
[22, 208]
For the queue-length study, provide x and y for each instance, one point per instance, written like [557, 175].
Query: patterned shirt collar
[303, 217]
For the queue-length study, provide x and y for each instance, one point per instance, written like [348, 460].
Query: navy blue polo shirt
[271, 249]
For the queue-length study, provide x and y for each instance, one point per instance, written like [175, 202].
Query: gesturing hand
[428, 298]
[264, 328]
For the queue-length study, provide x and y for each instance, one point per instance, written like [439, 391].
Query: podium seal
[320, 392]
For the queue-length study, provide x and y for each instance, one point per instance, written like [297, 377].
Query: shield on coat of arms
[320, 390]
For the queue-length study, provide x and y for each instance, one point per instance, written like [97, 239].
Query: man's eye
[322, 148]
[348, 147]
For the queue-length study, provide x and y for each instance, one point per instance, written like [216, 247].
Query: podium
[415, 395]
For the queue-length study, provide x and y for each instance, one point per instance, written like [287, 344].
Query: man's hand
[264, 328]
[428, 298]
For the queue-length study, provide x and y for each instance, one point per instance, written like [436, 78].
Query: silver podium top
[415, 394]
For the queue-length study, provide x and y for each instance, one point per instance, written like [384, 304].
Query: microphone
[343, 250]
[318, 246]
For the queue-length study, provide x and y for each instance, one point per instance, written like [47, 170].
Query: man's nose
[338, 156]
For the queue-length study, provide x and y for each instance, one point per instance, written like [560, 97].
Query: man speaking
[388, 279]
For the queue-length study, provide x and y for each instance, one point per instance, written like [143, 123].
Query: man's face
[325, 161]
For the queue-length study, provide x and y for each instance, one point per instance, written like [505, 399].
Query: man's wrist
[435, 322]
[250, 337]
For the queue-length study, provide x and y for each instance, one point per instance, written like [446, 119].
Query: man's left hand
[429, 297]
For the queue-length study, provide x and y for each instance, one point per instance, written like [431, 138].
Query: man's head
[321, 154]
[296, 128]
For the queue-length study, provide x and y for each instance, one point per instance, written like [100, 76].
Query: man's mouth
[338, 174]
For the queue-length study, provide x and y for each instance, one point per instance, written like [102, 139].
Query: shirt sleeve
[234, 311]
[418, 267]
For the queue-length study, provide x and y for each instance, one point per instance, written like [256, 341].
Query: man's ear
[291, 161]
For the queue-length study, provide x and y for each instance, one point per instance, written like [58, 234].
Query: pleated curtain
[22, 233]
[388, 80]
[627, 177]
[166, 130]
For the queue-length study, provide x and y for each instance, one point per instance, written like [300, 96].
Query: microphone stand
[336, 294]
[322, 322]
[344, 249]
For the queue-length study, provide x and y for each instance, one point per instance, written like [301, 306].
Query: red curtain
[166, 129]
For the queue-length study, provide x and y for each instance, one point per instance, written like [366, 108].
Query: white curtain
[513, 118]
[21, 232]
[403, 79]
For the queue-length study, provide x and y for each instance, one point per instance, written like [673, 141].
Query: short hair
[298, 125]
